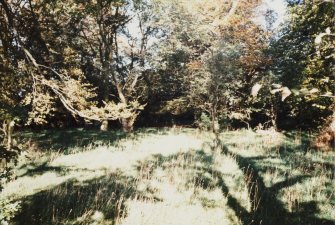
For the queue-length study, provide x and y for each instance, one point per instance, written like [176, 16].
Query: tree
[222, 56]
[71, 47]
[307, 69]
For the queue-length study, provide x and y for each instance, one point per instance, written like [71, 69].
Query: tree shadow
[64, 140]
[266, 208]
[205, 176]
[96, 201]
[270, 210]
[67, 140]
[76, 202]
[34, 169]
[305, 140]
[296, 154]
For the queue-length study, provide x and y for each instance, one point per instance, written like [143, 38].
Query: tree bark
[8, 128]
[215, 120]
[332, 125]
[128, 124]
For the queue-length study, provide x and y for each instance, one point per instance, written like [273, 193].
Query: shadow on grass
[270, 210]
[96, 201]
[64, 140]
[77, 202]
[34, 169]
[266, 208]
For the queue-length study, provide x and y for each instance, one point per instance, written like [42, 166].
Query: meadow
[171, 177]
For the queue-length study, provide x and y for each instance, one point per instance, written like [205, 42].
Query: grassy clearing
[157, 177]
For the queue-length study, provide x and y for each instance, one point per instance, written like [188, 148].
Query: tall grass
[177, 176]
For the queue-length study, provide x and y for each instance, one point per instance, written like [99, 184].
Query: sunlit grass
[173, 177]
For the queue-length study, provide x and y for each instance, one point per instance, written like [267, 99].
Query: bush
[8, 160]
[204, 122]
[8, 210]
[326, 139]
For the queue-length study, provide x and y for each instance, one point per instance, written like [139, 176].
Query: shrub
[8, 210]
[204, 122]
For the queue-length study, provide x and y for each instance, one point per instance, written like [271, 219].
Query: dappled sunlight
[142, 213]
[77, 201]
[248, 139]
[29, 185]
[315, 189]
[177, 178]
[95, 162]
[228, 166]
[127, 153]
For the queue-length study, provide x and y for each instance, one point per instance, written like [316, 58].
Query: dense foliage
[158, 62]
[304, 61]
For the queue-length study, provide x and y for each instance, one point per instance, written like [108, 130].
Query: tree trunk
[128, 124]
[104, 125]
[8, 128]
[332, 125]
[273, 115]
[215, 121]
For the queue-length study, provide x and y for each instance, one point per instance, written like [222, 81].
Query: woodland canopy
[133, 63]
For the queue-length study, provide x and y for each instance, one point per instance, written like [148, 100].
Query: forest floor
[172, 177]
